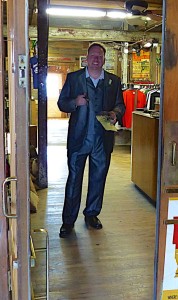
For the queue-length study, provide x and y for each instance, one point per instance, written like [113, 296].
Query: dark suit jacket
[75, 85]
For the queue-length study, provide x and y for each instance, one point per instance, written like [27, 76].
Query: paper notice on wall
[170, 279]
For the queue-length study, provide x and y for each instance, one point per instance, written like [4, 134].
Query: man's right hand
[81, 100]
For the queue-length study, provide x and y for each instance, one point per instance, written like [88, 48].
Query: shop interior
[118, 260]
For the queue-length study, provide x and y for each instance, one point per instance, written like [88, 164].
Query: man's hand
[112, 117]
[81, 100]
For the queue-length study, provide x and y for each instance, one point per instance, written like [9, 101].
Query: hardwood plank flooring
[114, 263]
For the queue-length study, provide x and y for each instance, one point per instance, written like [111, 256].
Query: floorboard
[114, 263]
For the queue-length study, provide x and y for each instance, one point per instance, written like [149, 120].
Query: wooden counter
[145, 152]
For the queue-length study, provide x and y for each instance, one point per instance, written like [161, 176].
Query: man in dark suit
[87, 93]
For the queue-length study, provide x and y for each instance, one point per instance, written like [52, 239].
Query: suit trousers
[98, 166]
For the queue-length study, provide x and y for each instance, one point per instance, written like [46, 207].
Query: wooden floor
[114, 263]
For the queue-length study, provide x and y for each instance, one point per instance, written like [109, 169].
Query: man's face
[95, 58]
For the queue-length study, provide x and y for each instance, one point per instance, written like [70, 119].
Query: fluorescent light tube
[147, 45]
[75, 12]
[116, 14]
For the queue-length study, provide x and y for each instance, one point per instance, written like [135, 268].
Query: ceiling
[136, 23]
[69, 37]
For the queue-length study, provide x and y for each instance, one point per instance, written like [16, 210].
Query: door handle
[174, 144]
[171, 222]
[4, 208]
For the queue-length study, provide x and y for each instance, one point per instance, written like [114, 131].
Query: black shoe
[65, 230]
[93, 221]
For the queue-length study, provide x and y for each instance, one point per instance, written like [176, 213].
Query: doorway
[89, 277]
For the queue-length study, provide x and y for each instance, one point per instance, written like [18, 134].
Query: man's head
[97, 44]
[96, 57]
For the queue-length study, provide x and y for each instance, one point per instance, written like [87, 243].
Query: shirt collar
[100, 77]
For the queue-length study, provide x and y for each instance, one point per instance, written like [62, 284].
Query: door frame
[4, 289]
[17, 35]
[167, 187]
[20, 47]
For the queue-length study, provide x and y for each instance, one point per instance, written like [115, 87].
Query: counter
[145, 152]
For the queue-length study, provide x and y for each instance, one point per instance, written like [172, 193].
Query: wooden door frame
[4, 290]
[21, 47]
[18, 35]
[168, 117]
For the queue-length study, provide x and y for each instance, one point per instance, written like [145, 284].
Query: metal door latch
[22, 71]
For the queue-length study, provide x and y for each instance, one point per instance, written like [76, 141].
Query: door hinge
[9, 281]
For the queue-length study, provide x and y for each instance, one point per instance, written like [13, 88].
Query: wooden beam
[75, 34]
[42, 26]
[102, 4]
[61, 34]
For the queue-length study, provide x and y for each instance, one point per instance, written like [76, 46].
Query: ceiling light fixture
[155, 43]
[75, 12]
[147, 45]
[116, 14]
